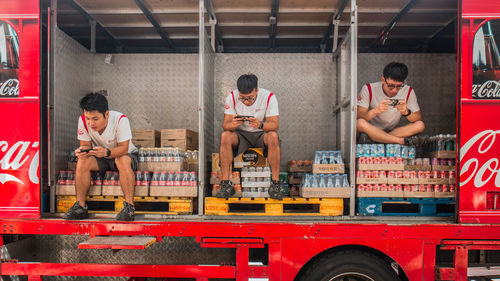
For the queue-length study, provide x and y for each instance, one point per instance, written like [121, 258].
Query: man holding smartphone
[105, 145]
[251, 119]
[381, 105]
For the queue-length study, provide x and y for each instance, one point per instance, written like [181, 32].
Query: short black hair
[396, 71]
[247, 83]
[93, 102]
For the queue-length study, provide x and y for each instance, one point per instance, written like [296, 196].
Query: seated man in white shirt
[381, 105]
[251, 119]
[105, 145]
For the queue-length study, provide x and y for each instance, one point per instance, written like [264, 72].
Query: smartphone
[394, 102]
[85, 150]
[243, 117]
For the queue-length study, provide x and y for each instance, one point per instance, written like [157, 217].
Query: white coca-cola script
[488, 90]
[10, 88]
[15, 157]
[480, 171]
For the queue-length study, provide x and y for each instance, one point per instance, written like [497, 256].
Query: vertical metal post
[201, 108]
[92, 36]
[50, 101]
[212, 33]
[460, 261]
[242, 257]
[335, 35]
[353, 105]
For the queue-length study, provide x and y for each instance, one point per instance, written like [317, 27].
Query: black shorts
[108, 164]
[248, 140]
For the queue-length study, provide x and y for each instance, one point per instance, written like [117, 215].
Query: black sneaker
[226, 189]
[127, 213]
[412, 141]
[275, 190]
[77, 212]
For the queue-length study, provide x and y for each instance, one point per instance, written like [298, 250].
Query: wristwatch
[409, 112]
[108, 152]
[261, 125]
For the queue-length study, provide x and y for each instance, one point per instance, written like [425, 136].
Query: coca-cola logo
[15, 157]
[488, 90]
[10, 88]
[481, 172]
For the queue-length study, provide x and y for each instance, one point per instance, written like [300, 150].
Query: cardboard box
[181, 138]
[177, 191]
[146, 137]
[294, 180]
[402, 181]
[380, 193]
[434, 181]
[162, 166]
[252, 157]
[382, 167]
[418, 167]
[420, 194]
[300, 169]
[443, 168]
[371, 180]
[116, 190]
[446, 154]
[235, 181]
[325, 192]
[328, 168]
[444, 194]
[70, 190]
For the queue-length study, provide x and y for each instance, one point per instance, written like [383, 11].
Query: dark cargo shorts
[249, 140]
[108, 164]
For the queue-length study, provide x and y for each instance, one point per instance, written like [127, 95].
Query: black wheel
[350, 266]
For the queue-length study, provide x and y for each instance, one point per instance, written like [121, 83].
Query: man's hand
[236, 123]
[79, 154]
[382, 107]
[99, 152]
[402, 107]
[254, 122]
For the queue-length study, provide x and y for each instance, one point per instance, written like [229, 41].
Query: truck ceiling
[153, 26]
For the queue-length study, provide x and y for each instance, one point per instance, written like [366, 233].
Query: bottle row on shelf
[407, 187]
[325, 180]
[158, 178]
[167, 154]
[385, 150]
[406, 174]
[328, 157]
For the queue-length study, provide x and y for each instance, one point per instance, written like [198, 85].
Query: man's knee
[272, 138]
[227, 137]
[419, 126]
[361, 125]
[123, 163]
[84, 164]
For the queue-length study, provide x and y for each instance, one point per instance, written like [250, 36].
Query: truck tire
[350, 266]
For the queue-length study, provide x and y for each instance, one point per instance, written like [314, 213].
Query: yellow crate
[144, 205]
[272, 207]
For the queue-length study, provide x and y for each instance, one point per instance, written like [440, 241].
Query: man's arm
[414, 116]
[230, 123]
[120, 150]
[271, 124]
[364, 113]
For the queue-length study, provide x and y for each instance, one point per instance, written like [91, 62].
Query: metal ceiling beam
[117, 44]
[216, 36]
[385, 32]
[333, 22]
[153, 21]
[273, 22]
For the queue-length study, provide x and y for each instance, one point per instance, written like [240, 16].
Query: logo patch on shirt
[226, 106]
[359, 98]
[80, 132]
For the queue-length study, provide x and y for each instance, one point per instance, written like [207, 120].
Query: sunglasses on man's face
[249, 99]
[394, 86]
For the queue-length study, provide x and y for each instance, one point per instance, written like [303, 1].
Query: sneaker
[412, 141]
[275, 190]
[226, 189]
[77, 212]
[127, 213]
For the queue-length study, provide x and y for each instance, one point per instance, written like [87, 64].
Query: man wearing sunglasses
[251, 119]
[381, 105]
